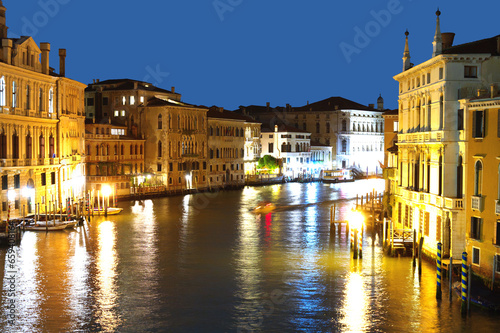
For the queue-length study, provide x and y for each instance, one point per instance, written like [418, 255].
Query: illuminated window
[132, 100]
[2, 91]
[51, 101]
[14, 94]
[117, 113]
[123, 113]
[124, 100]
[142, 99]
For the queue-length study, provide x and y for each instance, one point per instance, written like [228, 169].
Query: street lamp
[106, 192]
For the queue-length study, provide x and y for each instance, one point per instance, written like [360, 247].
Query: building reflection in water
[106, 293]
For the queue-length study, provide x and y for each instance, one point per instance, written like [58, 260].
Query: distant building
[354, 131]
[432, 141]
[42, 126]
[482, 187]
[174, 132]
[226, 144]
[391, 129]
[114, 157]
[252, 145]
[321, 159]
[291, 146]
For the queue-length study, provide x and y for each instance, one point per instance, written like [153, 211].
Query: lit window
[51, 101]
[132, 100]
[396, 126]
[2, 91]
[124, 100]
[123, 113]
[142, 99]
[14, 94]
[117, 113]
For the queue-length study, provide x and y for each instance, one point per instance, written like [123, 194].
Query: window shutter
[482, 121]
[460, 119]
[474, 124]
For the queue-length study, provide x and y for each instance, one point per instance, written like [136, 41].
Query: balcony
[452, 203]
[477, 203]
[497, 207]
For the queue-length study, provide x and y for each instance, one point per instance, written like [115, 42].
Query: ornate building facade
[432, 141]
[41, 127]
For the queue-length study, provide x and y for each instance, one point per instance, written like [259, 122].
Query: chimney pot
[45, 48]
[62, 62]
[173, 90]
[371, 106]
[7, 51]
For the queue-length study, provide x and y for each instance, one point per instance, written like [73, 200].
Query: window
[28, 97]
[426, 223]
[14, 94]
[44, 179]
[497, 238]
[160, 122]
[5, 183]
[51, 147]
[124, 114]
[428, 78]
[28, 147]
[40, 100]
[344, 146]
[105, 101]
[470, 72]
[317, 128]
[438, 229]
[17, 181]
[344, 125]
[15, 146]
[441, 73]
[460, 122]
[271, 148]
[478, 178]
[304, 127]
[117, 113]
[475, 227]
[124, 100]
[53, 178]
[90, 102]
[42, 147]
[132, 100]
[475, 255]
[142, 99]
[2, 91]
[158, 167]
[159, 149]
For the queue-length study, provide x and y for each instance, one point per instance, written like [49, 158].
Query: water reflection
[106, 294]
[355, 305]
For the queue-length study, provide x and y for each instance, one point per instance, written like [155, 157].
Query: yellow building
[482, 194]
[114, 157]
[174, 132]
[432, 142]
[226, 143]
[41, 128]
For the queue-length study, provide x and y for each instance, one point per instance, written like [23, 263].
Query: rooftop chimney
[493, 90]
[276, 128]
[62, 62]
[173, 90]
[7, 51]
[447, 38]
[371, 106]
[45, 47]
[136, 85]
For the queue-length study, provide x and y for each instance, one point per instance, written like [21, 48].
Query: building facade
[482, 188]
[291, 146]
[226, 144]
[391, 128]
[431, 139]
[252, 145]
[42, 128]
[113, 157]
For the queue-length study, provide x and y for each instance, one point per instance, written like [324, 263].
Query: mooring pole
[438, 271]
[463, 307]
[355, 254]
[414, 248]
[450, 277]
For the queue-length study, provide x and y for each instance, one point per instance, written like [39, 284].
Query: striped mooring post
[438, 277]
[464, 283]
[68, 208]
[352, 238]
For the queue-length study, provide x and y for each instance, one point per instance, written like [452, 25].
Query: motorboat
[111, 211]
[264, 207]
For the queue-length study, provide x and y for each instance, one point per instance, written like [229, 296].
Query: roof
[216, 112]
[393, 149]
[162, 102]
[334, 103]
[126, 84]
[488, 45]
[285, 128]
[394, 112]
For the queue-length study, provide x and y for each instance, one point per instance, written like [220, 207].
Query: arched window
[51, 101]
[217, 153]
[2, 91]
[460, 176]
[478, 178]
[160, 122]
[131, 150]
[116, 150]
[29, 147]
[51, 147]
[15, 146]
[441, 112]
[136, 149]
[14, 94]
[41, 146]
[97, 150]
[159, 149]
[344, 146]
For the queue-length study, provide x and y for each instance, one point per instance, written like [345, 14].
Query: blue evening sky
[241, 52]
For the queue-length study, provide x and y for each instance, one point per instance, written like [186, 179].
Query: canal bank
[206, 263]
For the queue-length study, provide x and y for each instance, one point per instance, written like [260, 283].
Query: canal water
[206, 263]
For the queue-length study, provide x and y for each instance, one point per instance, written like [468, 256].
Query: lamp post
[106, 192]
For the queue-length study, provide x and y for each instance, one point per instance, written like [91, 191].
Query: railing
[477, 202]
[452, 203]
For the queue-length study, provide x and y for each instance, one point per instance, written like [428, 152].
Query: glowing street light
[356, 220]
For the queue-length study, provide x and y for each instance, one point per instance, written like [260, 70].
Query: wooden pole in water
[46, 219]
[24, 216]
[463, 307]
[469, 278]
[54, 215]
[420, 245]
[450, 277]
[414, 248]
[98, 203]
[384, 233]
[494, 272]
[355, 254]
[356, 201]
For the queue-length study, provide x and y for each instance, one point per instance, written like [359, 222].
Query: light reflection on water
[206, 263]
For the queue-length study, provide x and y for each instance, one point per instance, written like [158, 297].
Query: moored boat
[111, 211]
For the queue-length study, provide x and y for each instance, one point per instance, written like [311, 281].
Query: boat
[111, 211]
[337, 176]
[40, 227]
[264, 208]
